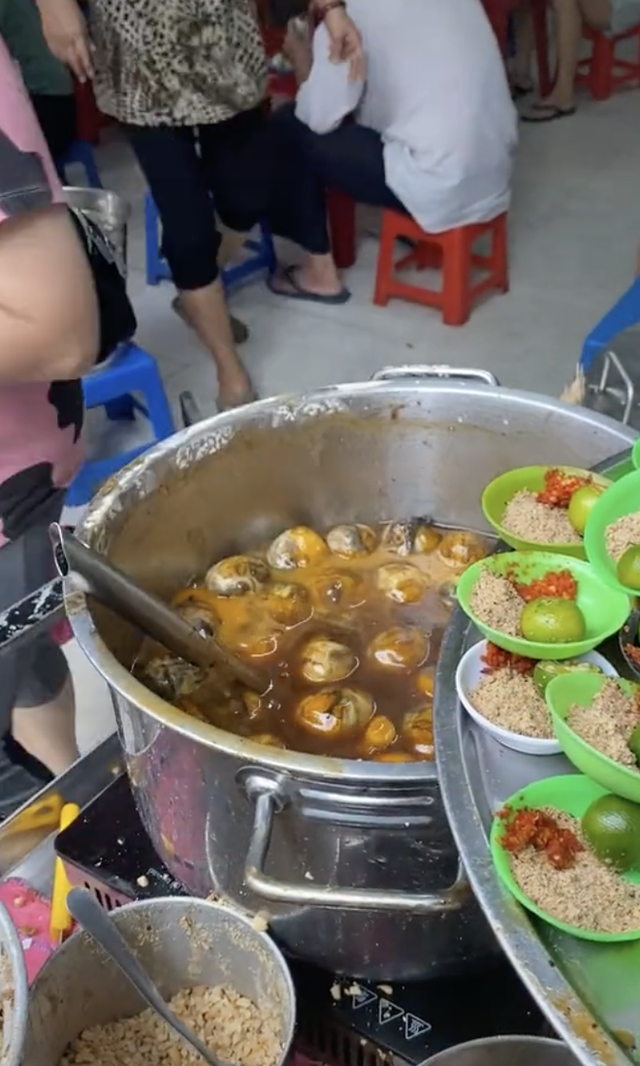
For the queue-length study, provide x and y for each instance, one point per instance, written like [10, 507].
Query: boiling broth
[385, 685]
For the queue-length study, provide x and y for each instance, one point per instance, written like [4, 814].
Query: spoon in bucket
[96, 922]
[114, 589]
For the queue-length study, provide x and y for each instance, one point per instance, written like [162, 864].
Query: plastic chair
[129, 371]
[622, 316]
[499, 13]
[80, 152]
[603, 71]
[453, 252]
[263, 257]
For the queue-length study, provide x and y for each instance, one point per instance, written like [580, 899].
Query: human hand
[66, 34]
[346, 42]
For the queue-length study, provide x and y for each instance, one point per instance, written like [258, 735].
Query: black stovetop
[340, 1021]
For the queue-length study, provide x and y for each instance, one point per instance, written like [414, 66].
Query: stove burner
[341, 1022]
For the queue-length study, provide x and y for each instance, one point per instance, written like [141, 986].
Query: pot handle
[269, 802]
[424, 370]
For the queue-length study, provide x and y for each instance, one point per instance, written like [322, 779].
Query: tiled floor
[574, 232]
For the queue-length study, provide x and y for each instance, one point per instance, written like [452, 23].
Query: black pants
[349, 160]
[57, 118]
[185, 166]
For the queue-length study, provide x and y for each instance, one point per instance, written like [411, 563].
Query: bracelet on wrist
[323, 8]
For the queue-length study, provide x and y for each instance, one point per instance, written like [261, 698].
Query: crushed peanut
[539, 523]
[234, 1028]
[496, 603]
[588, 894]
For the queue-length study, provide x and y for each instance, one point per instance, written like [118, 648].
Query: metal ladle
[116, 590]
[96, 922]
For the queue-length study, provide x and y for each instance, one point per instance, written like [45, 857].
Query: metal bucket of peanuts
[506, 1051]
[13, 983]
[220, 974]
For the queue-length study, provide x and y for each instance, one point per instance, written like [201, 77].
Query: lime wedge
[545, 672]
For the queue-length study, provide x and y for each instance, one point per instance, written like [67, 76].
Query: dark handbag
[117, 318]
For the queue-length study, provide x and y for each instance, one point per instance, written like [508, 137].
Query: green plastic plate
[573, 794]
[620, 499]
[498, 492]
[604, 610]
[569, 690]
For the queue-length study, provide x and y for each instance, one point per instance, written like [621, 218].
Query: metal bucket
[182, 943]
[13, 982]
[506, 1051]
[108, 210]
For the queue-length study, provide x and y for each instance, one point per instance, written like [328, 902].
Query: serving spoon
[96, 922]
[116, 590]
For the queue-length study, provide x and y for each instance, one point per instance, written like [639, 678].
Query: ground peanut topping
[608, 722]
[496, 603]
[512, 701]
[525, 517]
[587, 893]
[622, 534]
[234, 1029]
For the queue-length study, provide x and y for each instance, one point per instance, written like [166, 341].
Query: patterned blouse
[176, 62]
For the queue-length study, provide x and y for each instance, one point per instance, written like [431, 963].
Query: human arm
[328, 95]
[65, 31]
[48, 306]
[48, 310]
[298, 50]
[346, 42]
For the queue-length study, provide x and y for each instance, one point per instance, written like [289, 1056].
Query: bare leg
[206, 310]
[520, 68]
[48, 732]
[570, 15]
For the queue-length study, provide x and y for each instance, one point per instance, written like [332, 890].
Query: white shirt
[437, 93]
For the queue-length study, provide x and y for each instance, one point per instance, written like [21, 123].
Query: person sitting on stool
[434, 128]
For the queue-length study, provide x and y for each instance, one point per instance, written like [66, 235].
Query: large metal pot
[182, 943]
[352, 862]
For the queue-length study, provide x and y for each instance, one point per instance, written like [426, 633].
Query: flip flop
[288, 273]
[546, 113]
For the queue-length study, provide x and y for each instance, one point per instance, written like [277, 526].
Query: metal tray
[589, 992]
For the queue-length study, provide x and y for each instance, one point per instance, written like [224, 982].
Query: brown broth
[246, 625]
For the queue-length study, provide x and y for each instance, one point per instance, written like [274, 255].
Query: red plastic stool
[604, 71]
[451, 250]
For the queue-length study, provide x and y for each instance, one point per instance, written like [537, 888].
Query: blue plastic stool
[131, 370]
[262, 259]
[80, 152]
[623, 315]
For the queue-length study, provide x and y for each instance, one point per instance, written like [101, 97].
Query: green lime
[611, 825]
[628, 568]
[552, 621]
[633, 743]
[545, 672]
[581, 504]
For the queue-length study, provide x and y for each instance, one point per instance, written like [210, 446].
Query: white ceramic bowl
[468, 676]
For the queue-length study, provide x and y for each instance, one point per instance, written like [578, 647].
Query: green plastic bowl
[573, 794]
[622, 498]
[569, 690]
[498, 492]
[604, 610]
[635, 454]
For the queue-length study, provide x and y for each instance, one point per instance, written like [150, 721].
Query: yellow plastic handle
[42, 814]
[60, 918]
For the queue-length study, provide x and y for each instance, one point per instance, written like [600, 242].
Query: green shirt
[21, 29]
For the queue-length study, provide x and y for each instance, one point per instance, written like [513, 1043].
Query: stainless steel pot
[352, 862]
[181, 943]
[506, 1051]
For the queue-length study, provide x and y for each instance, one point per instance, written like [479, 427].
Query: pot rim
[212, 435]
